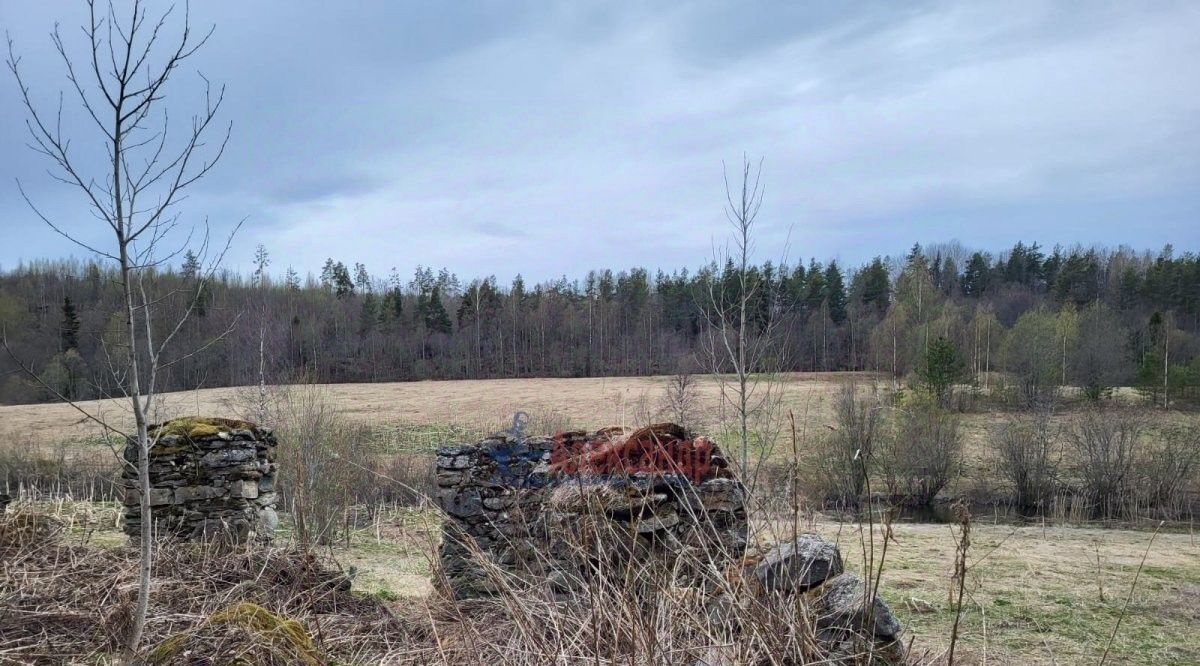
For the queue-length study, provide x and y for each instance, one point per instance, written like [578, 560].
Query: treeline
[1026, 321]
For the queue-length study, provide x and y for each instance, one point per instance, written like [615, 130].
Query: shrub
[843, 456]
[923, 453]
[1105, 445]
[326, 464]
[1169, 470]
[1028, 459]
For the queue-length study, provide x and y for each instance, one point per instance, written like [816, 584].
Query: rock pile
[812, 566]
[533, 506]
[209, 477]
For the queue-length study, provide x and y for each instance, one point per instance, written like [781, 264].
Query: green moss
[167, 649]
[164, 450]
[198, 427]
[285, 640]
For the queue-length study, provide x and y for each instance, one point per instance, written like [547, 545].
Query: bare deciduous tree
[680, 399]
[121, 85]
[730, 345]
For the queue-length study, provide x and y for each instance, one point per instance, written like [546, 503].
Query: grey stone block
[799, 565]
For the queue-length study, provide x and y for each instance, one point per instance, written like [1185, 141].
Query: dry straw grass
[66, 602]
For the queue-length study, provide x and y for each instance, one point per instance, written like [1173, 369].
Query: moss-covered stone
[204, 479]
[198, 427]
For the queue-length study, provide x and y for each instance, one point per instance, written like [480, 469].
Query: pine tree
[362, 279]
[343, 286]
[327, 274]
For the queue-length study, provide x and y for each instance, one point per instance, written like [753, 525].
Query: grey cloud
[567, 136]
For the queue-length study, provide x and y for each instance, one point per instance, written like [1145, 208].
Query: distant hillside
[1081, 316]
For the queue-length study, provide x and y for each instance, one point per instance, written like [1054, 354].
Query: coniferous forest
[1037, 318]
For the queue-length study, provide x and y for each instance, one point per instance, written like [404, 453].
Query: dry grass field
[1035, 594]
[472, 404]
[588, 402]
[418, 416]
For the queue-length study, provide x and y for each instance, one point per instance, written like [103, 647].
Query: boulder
[798, 565]
[838, 605]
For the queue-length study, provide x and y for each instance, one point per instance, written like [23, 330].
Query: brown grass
[586, 402]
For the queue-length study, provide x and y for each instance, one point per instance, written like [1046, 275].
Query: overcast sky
[504, 137]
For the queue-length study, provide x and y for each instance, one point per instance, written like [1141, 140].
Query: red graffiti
[663, 448]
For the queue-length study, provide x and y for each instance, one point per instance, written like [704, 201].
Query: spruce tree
[436, 317]
[69, 331]
[941, 368]
[876, 290]
[835, 293]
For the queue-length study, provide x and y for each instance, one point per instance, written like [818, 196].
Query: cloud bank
[548, 140]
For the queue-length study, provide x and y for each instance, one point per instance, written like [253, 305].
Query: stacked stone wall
[526, 504]
[208, 477]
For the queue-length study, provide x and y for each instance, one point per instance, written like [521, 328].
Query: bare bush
[1169, 471]
[1028, 458]
[1105, 445]
[326, 464]
[844, 456]
[681, 401]
[924, 450]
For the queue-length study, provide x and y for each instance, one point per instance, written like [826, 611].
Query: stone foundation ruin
[556, 511]
[516, 503]
[208, 477]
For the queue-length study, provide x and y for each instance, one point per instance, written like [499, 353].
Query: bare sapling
[121, 83]
[681, 399]
[734, 345]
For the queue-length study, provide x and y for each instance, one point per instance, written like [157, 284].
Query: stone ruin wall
[208, 477]
[518, 502]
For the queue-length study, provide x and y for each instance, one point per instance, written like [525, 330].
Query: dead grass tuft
[65, 602]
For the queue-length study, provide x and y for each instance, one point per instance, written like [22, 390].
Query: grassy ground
[1035, 595]
[1039, 596]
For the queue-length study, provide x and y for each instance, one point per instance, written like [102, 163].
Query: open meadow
[1049, 591]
